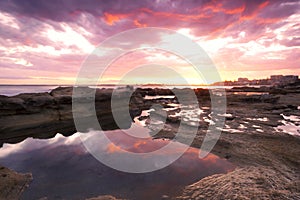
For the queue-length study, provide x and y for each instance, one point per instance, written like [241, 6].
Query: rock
[229, 117]
[63, 99]
[62, 91]
[42, 114]
[36, 99]
[278, 91]
[249, 89]
[243, 183]
[104, 197]
[158, 91]
[173, 119]
[12, 184]
[264, 98]
[11, 106]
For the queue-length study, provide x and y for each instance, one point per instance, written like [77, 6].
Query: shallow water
[289, 128]
[147, 97]
[63, 169]
[11, 90]
[250, 93]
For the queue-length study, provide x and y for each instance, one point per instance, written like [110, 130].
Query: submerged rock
[12, 184]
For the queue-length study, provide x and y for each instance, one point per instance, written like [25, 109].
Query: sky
[47, 42]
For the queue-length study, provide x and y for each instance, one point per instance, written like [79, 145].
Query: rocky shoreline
[268, 159]
[42, 115]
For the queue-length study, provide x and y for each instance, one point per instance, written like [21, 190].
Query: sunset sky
[46, 42]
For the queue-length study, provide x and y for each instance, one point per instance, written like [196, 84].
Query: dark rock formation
[42, 115]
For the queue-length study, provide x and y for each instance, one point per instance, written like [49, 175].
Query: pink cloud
[52, 39]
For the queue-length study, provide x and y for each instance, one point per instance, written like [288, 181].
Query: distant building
[279, 80]
[283, 80]
[290, 78]
[243, 81]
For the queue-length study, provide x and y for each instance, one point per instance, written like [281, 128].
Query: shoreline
[268, 162]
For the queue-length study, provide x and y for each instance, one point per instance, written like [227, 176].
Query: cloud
[13, 77]
[54, 37]
[112, 148]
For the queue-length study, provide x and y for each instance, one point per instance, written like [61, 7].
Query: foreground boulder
[244, 183]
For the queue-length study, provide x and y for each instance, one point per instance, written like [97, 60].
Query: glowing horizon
[44, 43]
